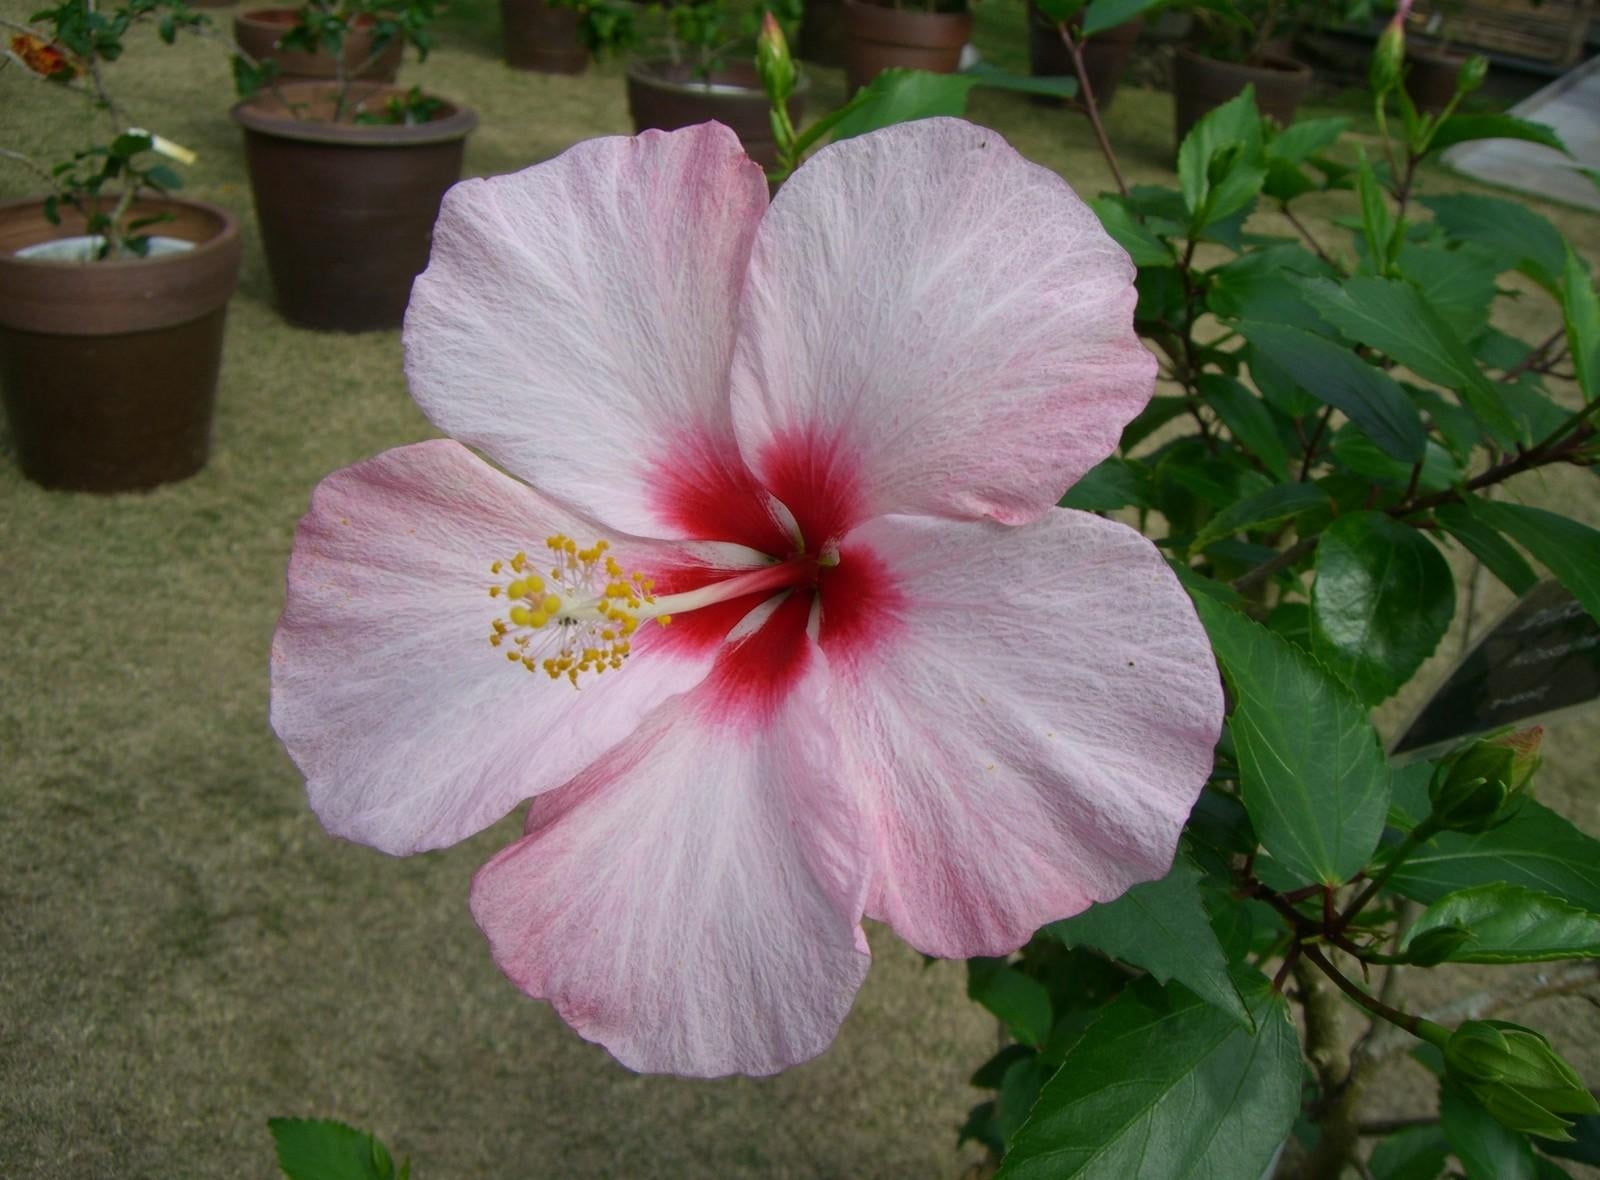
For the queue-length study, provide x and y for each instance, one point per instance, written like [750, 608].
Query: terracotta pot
[1430, 77]
[539, 36]
[346, 209]
[1105, 56]
[878, 38]
[665, 95]
[822, 32]
[1201, 84]
[109, 369]
[258, 31]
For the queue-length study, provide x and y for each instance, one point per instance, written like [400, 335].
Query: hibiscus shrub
[1334, 422]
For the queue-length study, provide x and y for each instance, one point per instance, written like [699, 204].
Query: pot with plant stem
[544, 37]
[108, 368]
[879, 37]
[347, 208]
[1105, 55]
[259, 31]
[1430, 77]
[667, 95]
[1201, 84]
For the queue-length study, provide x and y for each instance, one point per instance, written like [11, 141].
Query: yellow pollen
[575, 622]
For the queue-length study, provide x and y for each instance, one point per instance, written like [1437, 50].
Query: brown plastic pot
[1430, 78]
[346, 209]
[822, 32]
[258, 31]
[108, 370]
[879, 38]
[541, 37]
[1201, 84]
[1105, 56]
[669, 95]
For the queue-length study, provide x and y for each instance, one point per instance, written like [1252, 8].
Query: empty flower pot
[667, 95]
[1201, 84]
[878, 38]
[543, 37]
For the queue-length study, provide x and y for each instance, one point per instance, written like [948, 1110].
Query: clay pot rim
[911, 13]
[642, 70]
[457, 122]
[227, 231]
[1274, 66]
[1435, 55]
[279, 17]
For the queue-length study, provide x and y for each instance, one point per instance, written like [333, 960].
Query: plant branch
[1090, 106]
[1371, 1003]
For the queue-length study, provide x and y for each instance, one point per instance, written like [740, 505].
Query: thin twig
[1090, 106]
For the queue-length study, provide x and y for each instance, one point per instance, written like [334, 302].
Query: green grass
[184, 952]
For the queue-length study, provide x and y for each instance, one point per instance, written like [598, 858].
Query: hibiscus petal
[412, 732]
[575, 323]
[932, 324]
[693, 901]
[1031, 713]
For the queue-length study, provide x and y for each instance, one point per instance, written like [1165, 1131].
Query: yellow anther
[494, 592]
[521, 616]
[537, 619]
[550, 604]
[513, 657]
[569, 546]
[496, 567]
[534, 583]
[664, 620]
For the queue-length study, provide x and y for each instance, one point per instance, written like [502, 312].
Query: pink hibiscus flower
[778, 626]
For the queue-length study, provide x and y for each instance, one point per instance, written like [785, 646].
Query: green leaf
[1487, 1150]
[900, 96]
[1311, 774]
[1248, 417]
[1108, 14]
[988, 74]
[1376, 223]
[1458, 284]
[1021, 1002]
[322, 1149]
[1335, 375]
[1580, 310]
[1304, 138]
[1392, 316]
[1361, 455]
[1220, 167]
[1488, 546]
[1417, 1153]
[1110, 484]
[1569, 550]
[1163, 1084]
[1142, 246]
[1260, 286]
[1383, 599]
[1019, 1090]
[1584, 1146]
[1519, 238]
[1160, 410]
[1535, 848]
[1512, 924]
[1272, 506]
[1162, 927]
[1464, 128]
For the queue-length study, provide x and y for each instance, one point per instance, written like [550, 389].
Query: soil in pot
[1430, 77]
[668, 95]
[1201, 84]
[346, 210]
[878, 38]
[258, 31]
[541, 37]
[1105, 56]
[108, 370]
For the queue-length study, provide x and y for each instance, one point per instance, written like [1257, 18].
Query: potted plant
[113, 292]
[347, 176]
[556, 36]
[917, 34]
[1239, 43]
[1105, 52]
[695, 65]
[355, 38]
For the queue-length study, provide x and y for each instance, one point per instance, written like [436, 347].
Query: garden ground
[185, 952]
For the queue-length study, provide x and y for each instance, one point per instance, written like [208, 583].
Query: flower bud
[1517, 1076]
[773, 63]
[1481, 786]
[1472, 74]
[1383, 75]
